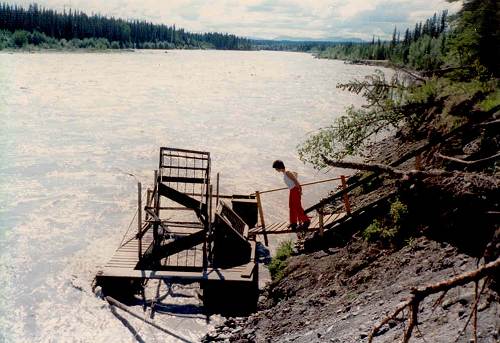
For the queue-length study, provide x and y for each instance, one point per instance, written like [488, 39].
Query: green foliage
[398, 213]
[279, 262]
[491, 101]
[5, 39]
[352, 132]
[389, 229]
[20, 38]
[37, 38]
[423, 48]
[129, 33]
[476, 36]
[427, 53]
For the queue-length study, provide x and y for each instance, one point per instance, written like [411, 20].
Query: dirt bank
[346, 285]
[338, 295]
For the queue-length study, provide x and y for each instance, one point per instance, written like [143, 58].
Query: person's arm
[294, 179]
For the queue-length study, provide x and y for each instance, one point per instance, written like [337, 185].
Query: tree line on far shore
[47, 28]
[419, 48]
[469, 38]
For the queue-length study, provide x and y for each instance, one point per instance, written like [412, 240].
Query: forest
[468, 37]
[47, 28]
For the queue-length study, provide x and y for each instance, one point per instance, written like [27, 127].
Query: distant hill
[328, 39]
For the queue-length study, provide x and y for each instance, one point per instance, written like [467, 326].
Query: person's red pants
[296, 211]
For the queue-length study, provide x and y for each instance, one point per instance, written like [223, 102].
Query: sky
[270, 19]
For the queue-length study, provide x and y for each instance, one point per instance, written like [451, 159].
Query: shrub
[398, 212]
[389, 229]
[20, 38]
[37, 38]
[279, 262]
[378, 232]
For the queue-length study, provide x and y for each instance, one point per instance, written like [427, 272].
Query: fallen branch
[473, 313]
[469, 163]
[114, 302]
[419, 294]
[383, 168]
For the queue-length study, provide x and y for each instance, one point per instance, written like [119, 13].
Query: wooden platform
[123, 264]
[282, 227]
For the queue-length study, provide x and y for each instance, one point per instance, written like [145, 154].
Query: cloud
[269, 18]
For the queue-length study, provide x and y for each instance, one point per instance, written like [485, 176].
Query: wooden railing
[319, 210]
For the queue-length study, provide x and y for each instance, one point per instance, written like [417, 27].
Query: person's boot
[293, 226]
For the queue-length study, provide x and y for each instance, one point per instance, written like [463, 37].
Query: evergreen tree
[477, 34]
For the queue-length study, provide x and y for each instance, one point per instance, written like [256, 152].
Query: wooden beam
[346, 195]
[183, 199]
[320, 223]
[261, 216]
[139, 218]
[182, 179]
[179, 244]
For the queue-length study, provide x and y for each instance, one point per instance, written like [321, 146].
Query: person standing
[297, 214]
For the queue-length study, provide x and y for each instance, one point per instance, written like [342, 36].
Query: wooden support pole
[217, 191]
[148, 201]
[261, 216]
[156, 211]
[210, 190]
[418, 162]
[346, 196]
[139, 218]
[321, 223]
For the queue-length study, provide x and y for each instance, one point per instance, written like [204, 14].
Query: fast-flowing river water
[77, 130]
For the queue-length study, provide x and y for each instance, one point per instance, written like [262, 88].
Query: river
[77, 130]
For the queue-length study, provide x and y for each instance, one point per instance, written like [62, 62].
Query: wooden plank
[182, 198]
[179, 244]
[270, 227]
[180, 276]
[182, 179]
[124, 258]
[163, 149]
[280, 227]
[248, 270]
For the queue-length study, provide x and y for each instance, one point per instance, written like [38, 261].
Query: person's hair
[278, 164]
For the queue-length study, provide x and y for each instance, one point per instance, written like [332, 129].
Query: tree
[476, 38]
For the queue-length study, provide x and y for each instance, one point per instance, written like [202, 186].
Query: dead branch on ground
[383, 168]
[469, 163]
[419, 294]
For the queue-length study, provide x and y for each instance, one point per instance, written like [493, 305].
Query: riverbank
[340, 294]
[436, 227]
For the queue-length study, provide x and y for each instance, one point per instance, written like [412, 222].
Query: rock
[248, 332]
[230, 323]
[347, 316]
[236, 330]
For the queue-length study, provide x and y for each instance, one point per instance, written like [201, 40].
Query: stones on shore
[228, 329]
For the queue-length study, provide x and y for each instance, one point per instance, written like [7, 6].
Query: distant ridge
[327, 39]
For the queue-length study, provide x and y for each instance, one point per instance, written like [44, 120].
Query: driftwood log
[420, 293]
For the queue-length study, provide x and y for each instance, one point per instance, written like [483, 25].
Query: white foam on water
[74, 126]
